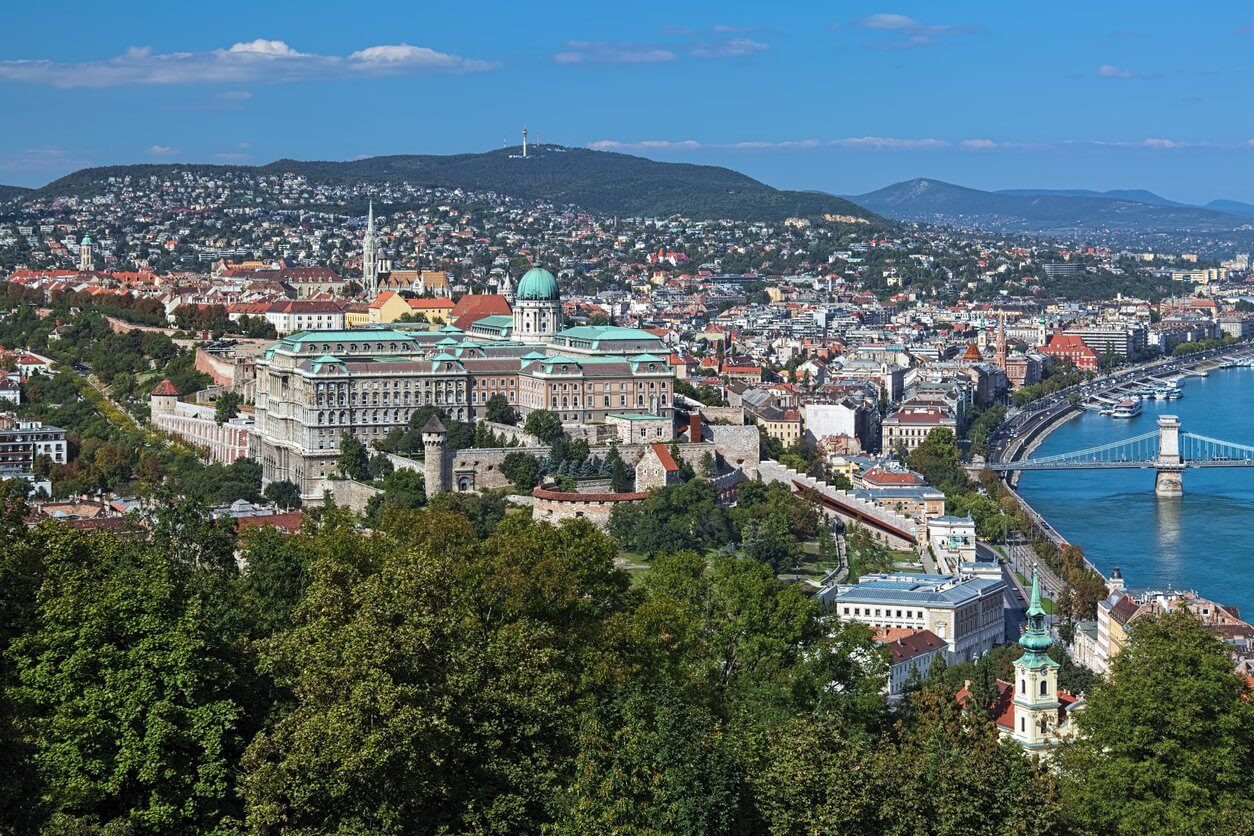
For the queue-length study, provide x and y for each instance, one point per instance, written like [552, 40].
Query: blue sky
[839, 96]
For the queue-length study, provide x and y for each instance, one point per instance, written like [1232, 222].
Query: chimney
[694, 427]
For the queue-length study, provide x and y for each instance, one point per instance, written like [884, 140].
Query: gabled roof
[664, 456]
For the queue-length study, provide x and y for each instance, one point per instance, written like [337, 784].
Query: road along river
[1203, 541]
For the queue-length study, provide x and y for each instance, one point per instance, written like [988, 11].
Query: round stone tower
[435, 471]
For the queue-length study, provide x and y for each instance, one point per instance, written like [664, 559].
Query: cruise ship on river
[1129, 408]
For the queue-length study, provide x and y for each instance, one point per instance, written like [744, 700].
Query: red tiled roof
[165, 387]
[289, 522]
[382, 299]
[431, 304]
[665, 457]
[475, 306]
[908, 644]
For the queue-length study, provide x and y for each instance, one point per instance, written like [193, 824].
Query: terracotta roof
[475, 306]
[165, 387]
[912, 644]
[572, 496]
[382, 299]
[289, 522]
[430, 304]
[664, 456]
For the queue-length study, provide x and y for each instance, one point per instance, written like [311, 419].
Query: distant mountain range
[597, 181]
[1052, 211]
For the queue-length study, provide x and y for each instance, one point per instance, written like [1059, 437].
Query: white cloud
[258, 60]
[1157, 142]
[637, 52]
[731, 48]
[908, 32]
[874, 143]
[1111, 71]
[605, 52]
[234, 95]
[162, 150]
[882, 143]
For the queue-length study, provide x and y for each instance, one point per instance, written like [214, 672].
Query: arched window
[1023, 686]
[1044, 687]
[1023, 724]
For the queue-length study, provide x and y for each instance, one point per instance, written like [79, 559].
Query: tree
[354, 460]
[134, 685]
[499, 411]
[226, 407]
[648, 758]
[380, 465]
[622, 477]
[544, 425]
[937, 457]
[283, 493]
[522, 470]
[458, 706]
[1166, 742]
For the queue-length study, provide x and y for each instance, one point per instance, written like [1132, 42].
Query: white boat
[1126, 409]
[1175, 393]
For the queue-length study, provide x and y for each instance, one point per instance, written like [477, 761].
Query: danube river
[1203, 541]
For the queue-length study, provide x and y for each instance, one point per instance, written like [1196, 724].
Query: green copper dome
[539, 285]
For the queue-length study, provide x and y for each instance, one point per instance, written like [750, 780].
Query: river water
[1202, 541]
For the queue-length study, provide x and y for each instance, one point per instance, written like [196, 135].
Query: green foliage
[226, 407]
[522, 470]
[622, 477]
[1059, 377]
[937, 457]
[354, 460]
[1167, 740]
[476, 665]
[708, 395]
[544, 425]
[283, 493]
[136, 693]
[647, 759]
[674, 518]
[404, 489]
[499, 411]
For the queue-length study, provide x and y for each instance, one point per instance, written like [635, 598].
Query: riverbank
[1195, 542]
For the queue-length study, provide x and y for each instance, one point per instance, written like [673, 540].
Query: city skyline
[843, 100]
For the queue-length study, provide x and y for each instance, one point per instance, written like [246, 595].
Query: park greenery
[463, 669]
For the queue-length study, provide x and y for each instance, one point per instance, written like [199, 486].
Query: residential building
[294, 315]
[907, 427]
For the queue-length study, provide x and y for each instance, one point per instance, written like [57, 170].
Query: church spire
[369, 274]
[1035, 640]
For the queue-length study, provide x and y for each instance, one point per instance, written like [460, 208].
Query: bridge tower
[1169, 481]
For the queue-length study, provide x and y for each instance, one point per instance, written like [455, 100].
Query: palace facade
[315, 386]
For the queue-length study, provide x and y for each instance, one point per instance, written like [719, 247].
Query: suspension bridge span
[1169, 451]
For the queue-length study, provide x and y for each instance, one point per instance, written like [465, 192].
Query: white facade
[195, 424]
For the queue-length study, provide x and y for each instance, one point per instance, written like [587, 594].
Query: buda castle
[312, 387]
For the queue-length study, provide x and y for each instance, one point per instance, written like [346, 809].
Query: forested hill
[7, 193]
[598, 181]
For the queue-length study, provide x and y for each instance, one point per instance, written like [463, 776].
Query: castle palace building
[315, 386]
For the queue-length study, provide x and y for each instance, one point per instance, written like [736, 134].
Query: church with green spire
[1032, 710]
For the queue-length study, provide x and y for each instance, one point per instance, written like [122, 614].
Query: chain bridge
[1169, 451]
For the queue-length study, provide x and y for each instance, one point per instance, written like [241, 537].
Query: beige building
[908, 426]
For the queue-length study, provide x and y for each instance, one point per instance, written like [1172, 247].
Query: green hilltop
[597, 181]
